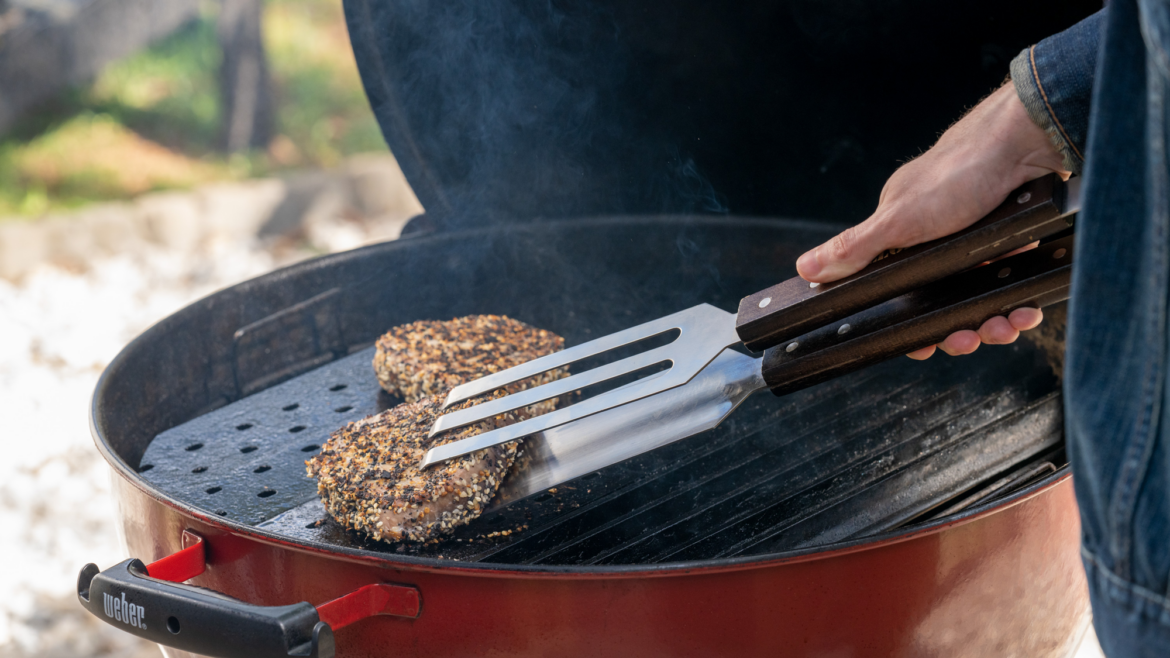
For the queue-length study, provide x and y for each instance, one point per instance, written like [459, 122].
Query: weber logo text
[121, 610]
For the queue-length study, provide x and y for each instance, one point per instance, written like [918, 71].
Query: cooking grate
[845, 459]
[246, 461]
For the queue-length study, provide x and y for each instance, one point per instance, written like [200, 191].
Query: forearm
[1054, 80]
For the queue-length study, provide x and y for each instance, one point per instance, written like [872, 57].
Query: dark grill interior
[843, 460]
[246, 461]
[219, 405]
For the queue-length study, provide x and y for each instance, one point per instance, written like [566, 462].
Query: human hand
[972, 168]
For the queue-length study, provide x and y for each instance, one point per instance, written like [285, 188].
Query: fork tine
[704, 332]
[568, 356]
[585, 408]
[552, 389]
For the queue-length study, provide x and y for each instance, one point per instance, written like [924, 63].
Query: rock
[380, 188]
[71, 244]
[328, 219]
[23, 245]
[366, 200]
[114, 228]
[315, 192]
[234, 211]
[172, 219]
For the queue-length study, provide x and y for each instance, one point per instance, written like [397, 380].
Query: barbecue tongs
[809, 333]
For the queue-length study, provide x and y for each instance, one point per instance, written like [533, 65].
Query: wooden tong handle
[925, 317]
[780, 313]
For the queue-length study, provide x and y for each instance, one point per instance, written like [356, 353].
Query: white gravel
[85, 285]
[58, 329]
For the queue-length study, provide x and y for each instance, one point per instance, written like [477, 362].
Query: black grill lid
[515, 109]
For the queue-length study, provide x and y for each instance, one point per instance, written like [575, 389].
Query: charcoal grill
[909, 507]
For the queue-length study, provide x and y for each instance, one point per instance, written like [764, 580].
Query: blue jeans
[1102, 91]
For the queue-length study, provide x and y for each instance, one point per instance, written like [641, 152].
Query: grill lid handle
[141, 600]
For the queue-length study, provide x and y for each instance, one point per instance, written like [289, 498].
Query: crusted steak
[431, 357]
[369, 479]
[367, 473]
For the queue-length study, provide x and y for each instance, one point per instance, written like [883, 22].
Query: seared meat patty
[367, 473]
[369, 478]
[430, 357]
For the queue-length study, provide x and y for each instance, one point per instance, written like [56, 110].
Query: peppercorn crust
[369, 479]
[430, 357]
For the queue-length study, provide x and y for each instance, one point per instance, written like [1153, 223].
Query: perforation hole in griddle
[284, 425]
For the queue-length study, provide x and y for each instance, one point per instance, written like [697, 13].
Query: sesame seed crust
[430, 358]
[369, 478]
[368, 473]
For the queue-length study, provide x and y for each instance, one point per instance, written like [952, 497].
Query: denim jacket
[1100, 90]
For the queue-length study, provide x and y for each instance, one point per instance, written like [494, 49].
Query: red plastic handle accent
[184, 565]
[368, 601]
[381, 599]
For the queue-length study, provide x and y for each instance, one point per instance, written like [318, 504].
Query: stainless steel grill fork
[808, 333]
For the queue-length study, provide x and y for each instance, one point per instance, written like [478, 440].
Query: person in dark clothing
[1094, 101]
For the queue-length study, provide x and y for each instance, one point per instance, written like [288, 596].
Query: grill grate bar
[840, 467]
[696, 484]
[847, 458]
[952, 467]
[777, 471]
[700, 460]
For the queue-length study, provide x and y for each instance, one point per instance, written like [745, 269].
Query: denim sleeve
[1054, 79]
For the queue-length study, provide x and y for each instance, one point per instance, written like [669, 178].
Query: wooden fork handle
[780, 313]
[925, 317]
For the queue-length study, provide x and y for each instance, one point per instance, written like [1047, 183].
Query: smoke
[693, 190]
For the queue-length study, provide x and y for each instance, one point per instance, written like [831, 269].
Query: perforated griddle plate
[843, 460]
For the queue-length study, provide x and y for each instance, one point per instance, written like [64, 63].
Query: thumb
[845, 254]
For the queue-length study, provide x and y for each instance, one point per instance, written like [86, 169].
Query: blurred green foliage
[150, 121]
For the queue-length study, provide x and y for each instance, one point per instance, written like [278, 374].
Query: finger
[1024, 319]
[960, 342]
[922, 354]
[998, 331]
[848, 252]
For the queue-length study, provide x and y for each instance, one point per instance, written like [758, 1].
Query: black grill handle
[925, 317]
[199, 620]
[1034, 211]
